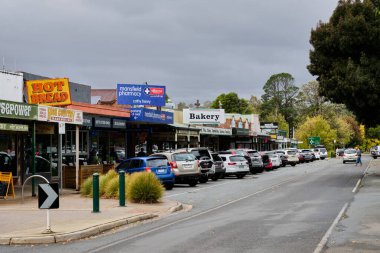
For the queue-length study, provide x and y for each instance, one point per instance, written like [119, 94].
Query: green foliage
[231, 103]
[373, 132]
[280, 119]
[346, 60]
[86, 187]
[144, 187]
[112, 188]
[280, 97]
[316, 126]
[105, 179]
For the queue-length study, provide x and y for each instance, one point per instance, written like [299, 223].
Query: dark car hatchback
[219, 167]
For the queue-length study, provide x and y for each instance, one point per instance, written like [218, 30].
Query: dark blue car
[157, 164]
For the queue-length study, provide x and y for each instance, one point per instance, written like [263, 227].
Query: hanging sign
[49, 92]
[61, 128]
[14, 127]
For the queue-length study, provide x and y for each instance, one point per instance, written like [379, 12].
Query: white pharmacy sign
[203, 116]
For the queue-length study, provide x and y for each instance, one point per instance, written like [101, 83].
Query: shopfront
[210, 137]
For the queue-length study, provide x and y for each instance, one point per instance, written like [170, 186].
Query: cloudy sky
[198, 49]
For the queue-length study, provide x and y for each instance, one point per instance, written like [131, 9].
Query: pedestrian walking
[359, 156]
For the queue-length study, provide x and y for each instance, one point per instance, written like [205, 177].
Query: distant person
[359, 158]
[141, 153]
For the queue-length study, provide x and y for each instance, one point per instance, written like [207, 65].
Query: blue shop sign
[136, 94]
[151, 116]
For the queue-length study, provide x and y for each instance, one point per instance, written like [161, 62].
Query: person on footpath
[359, 156]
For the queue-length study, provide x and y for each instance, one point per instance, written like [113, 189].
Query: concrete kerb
[176, 208]
[75, 235]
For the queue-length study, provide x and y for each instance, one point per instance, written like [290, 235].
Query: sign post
[48, 199]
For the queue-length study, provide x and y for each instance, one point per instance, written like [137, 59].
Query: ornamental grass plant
[144, 187]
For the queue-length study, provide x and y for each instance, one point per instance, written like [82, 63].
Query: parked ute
[235, 165]
[158, 165]
[206, 162]
[220, 170]
[184, 165]
[375, 151]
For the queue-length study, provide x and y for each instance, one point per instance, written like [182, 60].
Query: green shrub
[144, 187]
[104, 180]
[86, 187]
[112, 188]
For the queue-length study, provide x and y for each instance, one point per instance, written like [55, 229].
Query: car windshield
[216, 157]
[183, 157]
[350, 151]
[253, 153]
[157, 162]
[291, 152]
[323, 150]
[200, 153]
[237, 158]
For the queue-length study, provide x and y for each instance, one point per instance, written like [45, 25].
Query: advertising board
[53, 92]
[57, 114]
[137, 94]
[152, 116]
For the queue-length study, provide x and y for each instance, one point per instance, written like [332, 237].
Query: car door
[137, 165]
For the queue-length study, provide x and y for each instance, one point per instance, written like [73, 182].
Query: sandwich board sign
[48, 196]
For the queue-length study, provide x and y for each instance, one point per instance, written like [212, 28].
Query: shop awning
[104, 110]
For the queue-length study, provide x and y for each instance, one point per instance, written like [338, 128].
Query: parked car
[301, 157]
[349, 155]
[292, 157]
[241, 152]
[219, 167]
[307, 154]
[316, 154]
[275, 159]
[284, 158]
[375, 151]
[184, 165]
[256, 161]
[206, 162]
[235, 165]
[322, 153]
[339, 152]
[158, 165]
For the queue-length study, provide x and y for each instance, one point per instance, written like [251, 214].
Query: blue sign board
[151, 116]
[136, 94]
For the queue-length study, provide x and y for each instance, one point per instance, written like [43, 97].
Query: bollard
[95, 193]
[121, 188]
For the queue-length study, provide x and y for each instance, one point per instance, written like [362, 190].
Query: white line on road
[190, 217]
[323, 242]
[360, 180]
[357, 185]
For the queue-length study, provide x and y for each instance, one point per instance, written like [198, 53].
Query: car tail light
[173, 165]
[286, 156]
[148, 169]
[231, 163]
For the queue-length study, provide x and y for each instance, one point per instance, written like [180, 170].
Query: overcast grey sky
[198, 49]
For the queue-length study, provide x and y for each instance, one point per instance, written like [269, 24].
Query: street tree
[280, 96]
[231, 103]
[316, 126]
[256, 103]
[279, 118]
[346, 60]
[181, 106]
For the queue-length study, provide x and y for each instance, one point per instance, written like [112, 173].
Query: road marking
[199, 189]
[357, 185]
[361, 178]
[191, 217]
[323, 242]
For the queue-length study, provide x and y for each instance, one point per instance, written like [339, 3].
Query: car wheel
[240, 176]
[169, 186]
[293, 164]
[375, 157]
[203, 180]
[344, 162]
[193, 183]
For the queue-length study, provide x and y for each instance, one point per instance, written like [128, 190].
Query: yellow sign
[49, 92]
[6, 177]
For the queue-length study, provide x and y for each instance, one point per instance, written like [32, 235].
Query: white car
[322, 153]
[292, 157]
[317, 153]
[235, 165]
[349, 155]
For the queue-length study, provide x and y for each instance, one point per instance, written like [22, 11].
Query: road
[286, 210]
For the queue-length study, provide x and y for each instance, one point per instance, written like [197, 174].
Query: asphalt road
[286, 210]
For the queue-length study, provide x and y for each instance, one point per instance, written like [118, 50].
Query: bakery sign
[54, 92]
[203, 116]
[60, 115]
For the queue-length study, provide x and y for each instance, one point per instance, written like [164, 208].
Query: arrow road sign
[48, 196]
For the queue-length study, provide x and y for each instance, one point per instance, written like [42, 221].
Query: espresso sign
[54, 92]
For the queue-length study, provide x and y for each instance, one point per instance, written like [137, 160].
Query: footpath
[359, 227]
[23, 223]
